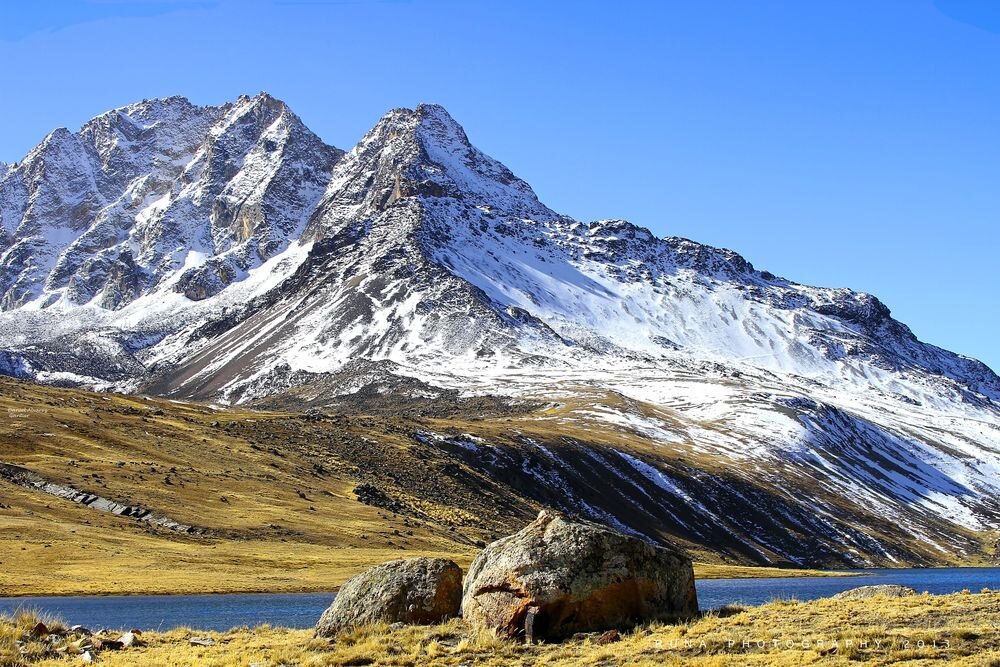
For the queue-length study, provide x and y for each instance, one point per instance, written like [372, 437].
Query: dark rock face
[559, 576]
[206, 280]
[112, 276]
[886, 590]
[370, 494]
[415, 590]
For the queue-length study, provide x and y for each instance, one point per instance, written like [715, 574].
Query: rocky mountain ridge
[227, 254]
[109, 213]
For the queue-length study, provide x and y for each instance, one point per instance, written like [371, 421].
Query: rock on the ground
[413, 591]
[865, 592]
[559, 576]
[201, 641]
[609, 637]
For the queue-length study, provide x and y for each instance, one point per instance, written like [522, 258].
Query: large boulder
[885, 590]
[415, 590]
[559, 576]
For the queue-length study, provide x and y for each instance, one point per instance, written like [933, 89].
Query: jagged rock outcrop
[558, 576]
[30, 480]
[416, 590]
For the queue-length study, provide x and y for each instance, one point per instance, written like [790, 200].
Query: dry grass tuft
[958, 629]
[20, 641]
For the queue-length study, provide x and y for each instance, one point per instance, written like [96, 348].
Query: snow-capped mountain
[226, 253]
[157, 191]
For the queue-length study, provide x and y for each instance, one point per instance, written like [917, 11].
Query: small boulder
[886, 590]
[609, 637]
[413, 591]
[559, 576]
[108, 645]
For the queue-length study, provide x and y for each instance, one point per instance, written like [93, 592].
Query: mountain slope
[274, 270]
[112, 493]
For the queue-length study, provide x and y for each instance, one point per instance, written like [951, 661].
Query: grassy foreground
[960, 629]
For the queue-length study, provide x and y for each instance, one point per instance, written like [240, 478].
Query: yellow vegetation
[920, 630]
[274, 491]
[716, 571]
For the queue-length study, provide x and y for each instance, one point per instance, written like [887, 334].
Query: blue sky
[849, 143]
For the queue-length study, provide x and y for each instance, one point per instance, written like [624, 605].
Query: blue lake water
[714, 593]
[302, 610]
[164, 612]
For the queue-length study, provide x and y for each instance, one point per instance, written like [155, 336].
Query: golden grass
[274, 522]
[716, 571]
[275, 492]
[53, 547]
[959, 629]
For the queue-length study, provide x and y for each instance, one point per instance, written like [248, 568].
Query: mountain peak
[262, 100]
[435, 115]
[58, 136]
[420, 154]
[57, 158]
[262, 96]
[179, 110]
[446, 164]
[140, 190]
[148, 108]
[430, 126]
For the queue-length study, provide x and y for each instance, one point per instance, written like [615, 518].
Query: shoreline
[725, 573]
[119, 594]
[715, 572]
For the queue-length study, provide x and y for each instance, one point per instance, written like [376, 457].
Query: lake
[302, 610]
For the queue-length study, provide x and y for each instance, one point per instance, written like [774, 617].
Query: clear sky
[849, 143]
